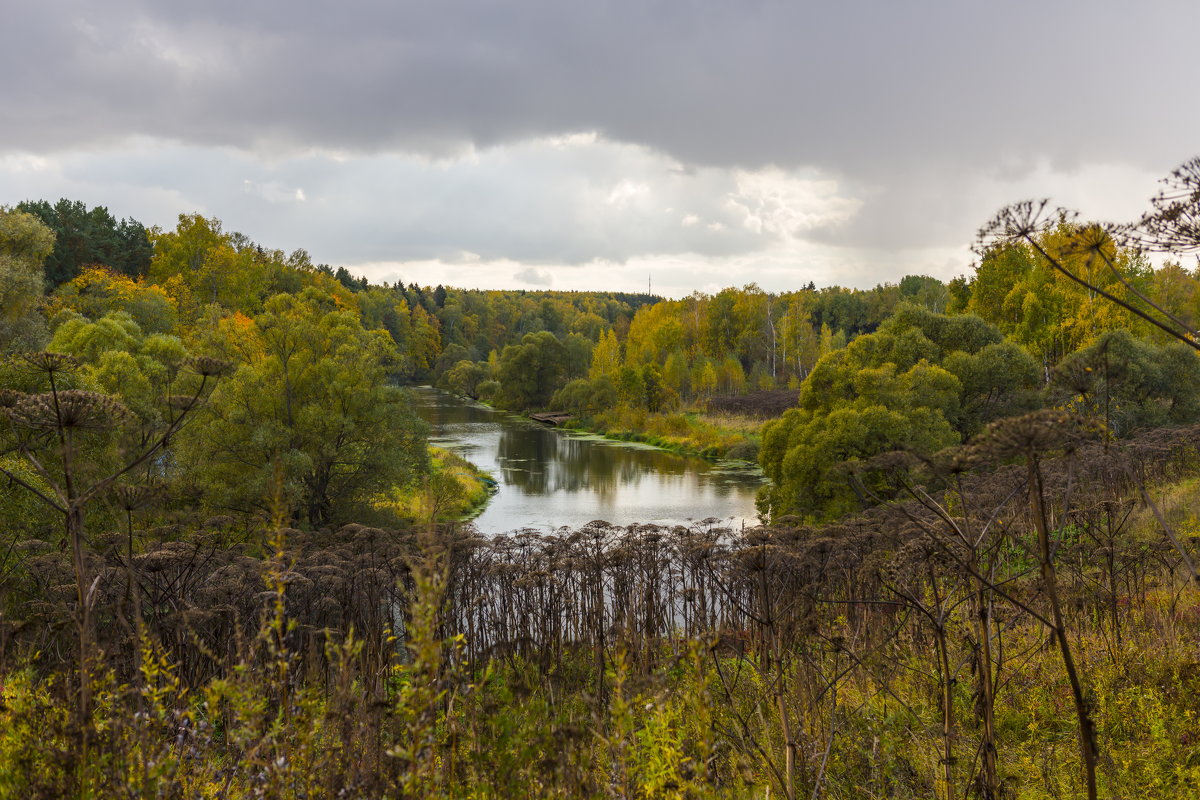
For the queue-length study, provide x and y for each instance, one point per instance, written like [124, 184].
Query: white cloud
[532, 213]
[776, 202]
[581, 139]
[534, 276]
[274, 191]
[18, 163]
[626, 193]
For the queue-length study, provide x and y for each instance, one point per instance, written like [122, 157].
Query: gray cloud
[860, 88]
[752, 138]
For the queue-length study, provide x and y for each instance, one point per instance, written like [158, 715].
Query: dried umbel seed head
[70, 409]
[207, 366]
[1174, 225]
[1017, 222]
[1097, 239]
[1037, 432]
[10, 397]
[183, 402]
[51, 363]
[131, 498]
[955, 460]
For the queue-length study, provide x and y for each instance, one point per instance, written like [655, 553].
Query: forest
[231, 564]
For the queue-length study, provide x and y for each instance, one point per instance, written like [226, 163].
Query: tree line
[919, 364]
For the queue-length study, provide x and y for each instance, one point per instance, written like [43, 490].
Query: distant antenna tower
[648, 285]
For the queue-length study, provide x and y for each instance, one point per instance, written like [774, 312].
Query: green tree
[654, 332]
[659, 396]
[586, 397]
[465, 377]
[96, 291]
[24, 244]
[425, 342]
[731, 378]
[1025, 287]
[676, 374]
[606, 356]
[86, 236]
[925, 292]
[808, 454]
[631, 386]
[921, 382]
[311, 399]
[530, 372]
[704, 378]
[1000, 380]
[830, 340]
[119, 359]
[799, 341]
[200, 264]
[579, 355]
[720, 325]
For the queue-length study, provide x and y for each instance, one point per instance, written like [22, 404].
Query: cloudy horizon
[537, 144]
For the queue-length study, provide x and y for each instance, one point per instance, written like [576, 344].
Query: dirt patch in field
[765, 404]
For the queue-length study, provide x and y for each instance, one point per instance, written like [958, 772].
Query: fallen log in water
[555, 418]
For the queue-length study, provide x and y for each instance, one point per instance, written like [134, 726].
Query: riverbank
[715, 437]
[711, 435]
[455, 491]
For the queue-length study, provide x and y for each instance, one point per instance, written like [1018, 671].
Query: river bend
[551, 478]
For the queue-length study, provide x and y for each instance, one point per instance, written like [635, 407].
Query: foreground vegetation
[908, 652]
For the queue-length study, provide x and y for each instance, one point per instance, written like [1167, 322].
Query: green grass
[455, 491]
[715, 437]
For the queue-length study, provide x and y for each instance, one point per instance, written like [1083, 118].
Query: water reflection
[550, 478]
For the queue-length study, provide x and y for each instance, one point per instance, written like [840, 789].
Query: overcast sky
[591, 145]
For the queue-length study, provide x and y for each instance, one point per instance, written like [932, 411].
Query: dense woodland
[229, 564]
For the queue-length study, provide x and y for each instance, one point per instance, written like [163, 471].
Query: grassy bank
[695, 432]
[712, 436]
[455, 490]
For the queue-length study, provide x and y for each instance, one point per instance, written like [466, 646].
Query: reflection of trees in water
[443, 412]
[541, 460]
[577, 469]
[599, 468]
[527, 458]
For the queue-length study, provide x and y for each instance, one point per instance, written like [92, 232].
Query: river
[548, 478]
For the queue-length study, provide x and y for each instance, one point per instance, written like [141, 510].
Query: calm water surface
[550, 478]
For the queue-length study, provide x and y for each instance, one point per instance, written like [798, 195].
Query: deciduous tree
[311, 398]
